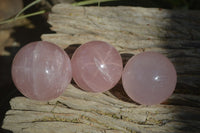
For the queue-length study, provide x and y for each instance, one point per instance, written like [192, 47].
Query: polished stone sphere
[41, 70]
[97, 66]
[149, 78]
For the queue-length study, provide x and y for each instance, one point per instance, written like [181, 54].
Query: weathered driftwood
[134, 30]
[131, 30]
[79, 111]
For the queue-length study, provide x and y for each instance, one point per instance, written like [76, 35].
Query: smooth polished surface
[149, 78]
[41, 70]
[97, 66]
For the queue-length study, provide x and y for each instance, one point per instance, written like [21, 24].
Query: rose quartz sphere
[97, 66]
[41, 70]
[149, 78]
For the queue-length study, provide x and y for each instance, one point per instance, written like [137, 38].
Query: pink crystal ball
[97, 66]
[149, 78]
[41, 70]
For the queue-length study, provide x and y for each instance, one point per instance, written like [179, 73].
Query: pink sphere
[149, 78]
[41, 70]
[97, 66]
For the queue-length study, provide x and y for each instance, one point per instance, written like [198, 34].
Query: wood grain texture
[131, 30]
[134, 30]
[79, 111]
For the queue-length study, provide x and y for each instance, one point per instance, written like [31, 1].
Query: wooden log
[134, 30]
[131, 30]
[79, 111]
